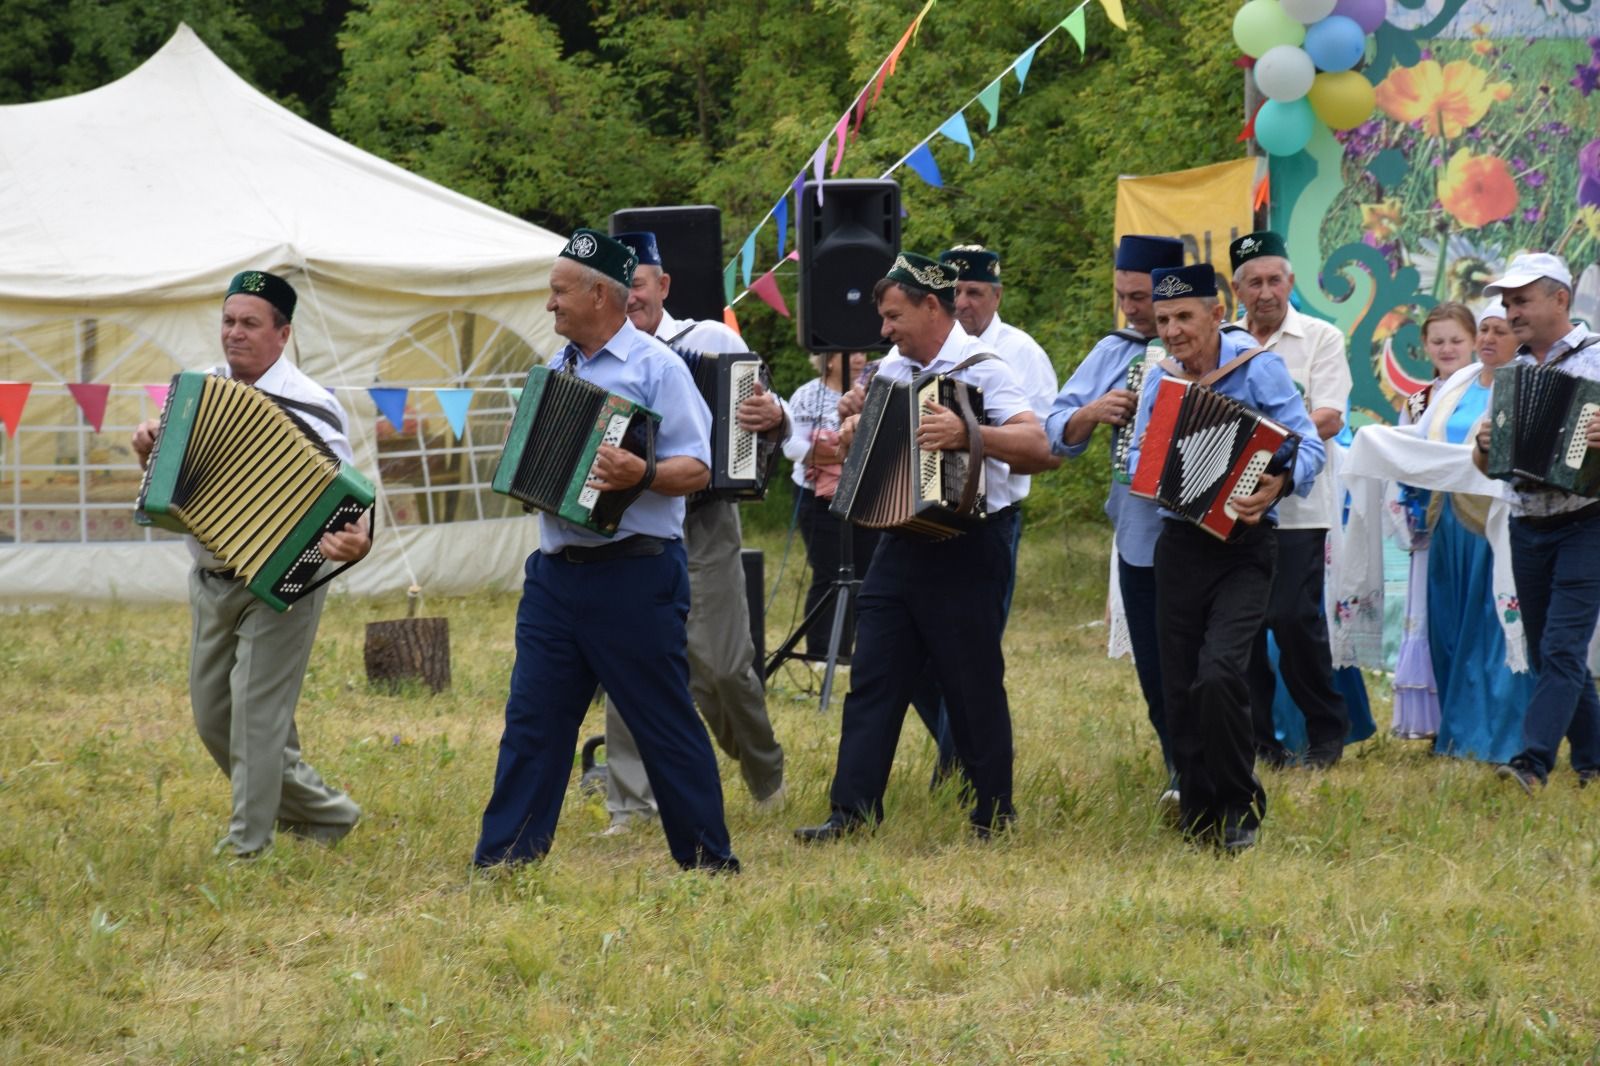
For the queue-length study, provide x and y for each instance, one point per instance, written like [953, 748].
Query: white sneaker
[1169, 799]
[623, 824]
[777, 801]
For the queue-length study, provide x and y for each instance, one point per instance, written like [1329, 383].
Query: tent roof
[165, 182]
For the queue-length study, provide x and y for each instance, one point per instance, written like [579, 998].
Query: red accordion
[1200, 450]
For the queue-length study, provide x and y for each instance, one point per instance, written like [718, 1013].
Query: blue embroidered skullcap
[643, 244]
[1177, 283]
[973, 262]
[1143, 254]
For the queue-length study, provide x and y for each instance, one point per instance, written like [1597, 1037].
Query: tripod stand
[840, 598]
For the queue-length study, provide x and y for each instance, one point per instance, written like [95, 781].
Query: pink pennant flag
[766, 287]
[157, 394]
[91, 401]
[13, 395]
[839, 132]
[860, 110]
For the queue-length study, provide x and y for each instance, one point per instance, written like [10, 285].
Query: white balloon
[1285, 73]
[1308, 11]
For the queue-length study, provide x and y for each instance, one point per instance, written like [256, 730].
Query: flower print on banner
[1448, 100]
[1381, 221]
[1477, 189]
[1589, 174]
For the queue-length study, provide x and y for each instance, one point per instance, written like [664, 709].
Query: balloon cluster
[1305, 53]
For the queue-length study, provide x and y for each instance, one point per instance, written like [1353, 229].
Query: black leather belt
[220, 575]
[634, 547]
[1544, 523]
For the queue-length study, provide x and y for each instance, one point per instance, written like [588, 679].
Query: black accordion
[1201, 449]
[741, 462]
[890, 483]
[555, 437]
[1122, 436]
[1538, 428]
[252, 482]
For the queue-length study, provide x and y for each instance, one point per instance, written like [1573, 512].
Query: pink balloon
[1368, 14]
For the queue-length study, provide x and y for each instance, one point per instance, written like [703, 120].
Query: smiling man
[1211, 595]
[247, 661]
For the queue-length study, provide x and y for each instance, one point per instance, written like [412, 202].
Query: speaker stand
[840, 598]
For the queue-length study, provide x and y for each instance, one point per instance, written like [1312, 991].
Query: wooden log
[409, 649]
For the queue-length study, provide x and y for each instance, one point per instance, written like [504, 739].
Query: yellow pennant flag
[1114, 13]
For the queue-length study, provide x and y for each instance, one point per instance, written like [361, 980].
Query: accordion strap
[1230, 366]
[969, 490]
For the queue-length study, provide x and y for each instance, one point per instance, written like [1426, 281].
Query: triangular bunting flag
[921, 160]
[91, 401]
[1114, 13]
[780, 211]
[916, 23]
[766, 287]
[1021, 67]
[13, 395]
[839, 131]
[955, 128]
[515, 392]
[731, 320]
[454, 404]
[1263, 192]
[727, 279]
[747, 257]
[1074, 24]
[990, 99]
[819, 159]
[860, 109]
[157, 394]
[391, 405]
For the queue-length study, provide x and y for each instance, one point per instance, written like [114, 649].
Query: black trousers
[820, 531]
[1211, 597]
[939, 607]
[1295, 616]
[1138, 584]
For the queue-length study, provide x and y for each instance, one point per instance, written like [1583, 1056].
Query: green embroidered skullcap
[973, 262]
[594, 249]
[269, 287]
[1254, 245]
[924, 274]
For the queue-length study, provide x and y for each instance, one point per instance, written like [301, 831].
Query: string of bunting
[390, 401]
[919, 159]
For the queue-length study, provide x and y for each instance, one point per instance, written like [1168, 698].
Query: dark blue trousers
[931, 608]
[1138, 585]
[1558, 587]
[927, 700]
[620, 624]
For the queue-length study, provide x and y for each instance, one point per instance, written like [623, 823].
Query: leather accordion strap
[1230, 366]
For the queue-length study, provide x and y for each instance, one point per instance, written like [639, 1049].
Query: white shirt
[1003, 398]
[813, 406]
[1314, 352]
[1034, 374]
[285, 379]
[711, 338]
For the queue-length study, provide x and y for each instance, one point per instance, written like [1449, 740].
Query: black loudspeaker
[846, 244]
[690, 242]
[755, 595]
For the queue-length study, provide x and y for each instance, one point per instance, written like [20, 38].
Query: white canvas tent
[123, 213]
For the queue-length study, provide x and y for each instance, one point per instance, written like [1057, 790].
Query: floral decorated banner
[1485, 143]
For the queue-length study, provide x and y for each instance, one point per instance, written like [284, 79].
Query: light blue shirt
[642, 369]
[1103, 369]
[1003, 398]
[1263, 383]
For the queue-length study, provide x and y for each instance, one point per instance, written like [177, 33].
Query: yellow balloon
[1343, 100]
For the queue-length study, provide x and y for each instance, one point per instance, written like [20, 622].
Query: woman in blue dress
[1480, 699]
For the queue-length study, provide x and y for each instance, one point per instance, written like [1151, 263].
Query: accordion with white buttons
[1200, 450]
[1538, 428]
[889, 483]
[740, 461]
[251, 481]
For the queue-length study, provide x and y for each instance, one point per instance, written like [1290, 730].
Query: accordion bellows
[889, 483]
[250, 481]
[555, 437]
[1202, 448]
[1539, 425]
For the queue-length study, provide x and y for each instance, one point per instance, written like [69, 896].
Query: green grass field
[1400, 909]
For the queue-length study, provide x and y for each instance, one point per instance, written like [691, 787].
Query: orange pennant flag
[731, 320]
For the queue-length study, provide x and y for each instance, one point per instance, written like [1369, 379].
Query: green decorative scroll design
[1305, 186]
[1357, 268]
[1398, 47]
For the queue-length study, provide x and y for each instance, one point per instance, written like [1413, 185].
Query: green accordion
[554, 439]
[250, 481]
[1539, 425]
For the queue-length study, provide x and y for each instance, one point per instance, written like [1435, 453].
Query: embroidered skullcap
[924, 274]
[610, 257]
[1254, 245]
[973, 262]
[644, 246]
[1143, 254]
[1179, 283]
[269, 287]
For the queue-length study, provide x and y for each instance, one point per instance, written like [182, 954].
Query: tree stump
[409, 649]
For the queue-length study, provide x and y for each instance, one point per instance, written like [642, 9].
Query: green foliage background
[560, 113]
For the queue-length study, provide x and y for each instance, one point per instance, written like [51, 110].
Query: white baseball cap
[1528, 268]
[1493, 309]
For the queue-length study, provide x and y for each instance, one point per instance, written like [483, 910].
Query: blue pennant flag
[391, 405]
[1021, 67]
[955, 128]
[781, 212]
[921, 160]
[454, 403]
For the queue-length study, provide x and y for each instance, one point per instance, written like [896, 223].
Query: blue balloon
[1336, 43]
[1285, 128]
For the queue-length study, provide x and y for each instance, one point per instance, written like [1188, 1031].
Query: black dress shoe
[1237, 838]
[1324, 758]
[837, 826]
